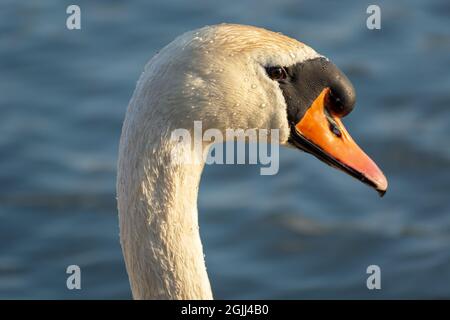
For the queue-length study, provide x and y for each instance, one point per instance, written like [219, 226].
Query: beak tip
[382, 186]
[381, 193]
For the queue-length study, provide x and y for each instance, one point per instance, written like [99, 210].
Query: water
[308, 232]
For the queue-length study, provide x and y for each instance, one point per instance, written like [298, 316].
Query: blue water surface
[307, 232]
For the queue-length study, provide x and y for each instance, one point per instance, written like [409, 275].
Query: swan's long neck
[158, 218]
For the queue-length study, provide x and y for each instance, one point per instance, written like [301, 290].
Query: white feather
[216, 75]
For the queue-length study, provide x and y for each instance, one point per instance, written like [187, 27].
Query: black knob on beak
[342, 96]
[306, 80]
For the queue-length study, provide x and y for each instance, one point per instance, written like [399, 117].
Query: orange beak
[322, 134]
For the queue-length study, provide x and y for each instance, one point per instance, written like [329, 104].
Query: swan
[227, 76]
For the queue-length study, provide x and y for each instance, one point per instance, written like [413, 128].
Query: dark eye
[276, 73]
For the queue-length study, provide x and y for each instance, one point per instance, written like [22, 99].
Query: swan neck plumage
[159, 231]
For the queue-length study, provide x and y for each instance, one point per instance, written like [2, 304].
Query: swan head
[241, 77]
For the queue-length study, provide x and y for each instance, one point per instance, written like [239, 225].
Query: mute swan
[220, 75]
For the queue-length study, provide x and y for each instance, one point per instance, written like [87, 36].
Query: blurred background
[307, 232]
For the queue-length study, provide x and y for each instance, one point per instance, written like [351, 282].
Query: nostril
[334, 128]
